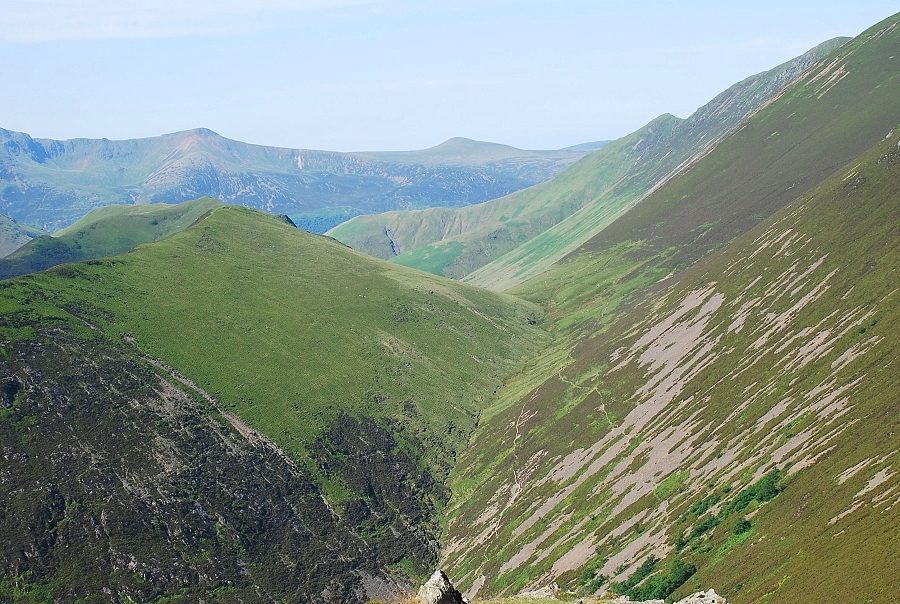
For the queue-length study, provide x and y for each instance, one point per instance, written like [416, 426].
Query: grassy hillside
[52, 183]
[105, 232]
[366, 376]
[733, 425]
[14, 235]
[455, 242]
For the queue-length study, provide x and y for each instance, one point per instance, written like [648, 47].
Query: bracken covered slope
[736, 421]
[577, 203]
[333, 389]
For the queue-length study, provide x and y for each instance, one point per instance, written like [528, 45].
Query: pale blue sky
[390, 74]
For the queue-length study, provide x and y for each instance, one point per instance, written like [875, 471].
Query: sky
[355, 75]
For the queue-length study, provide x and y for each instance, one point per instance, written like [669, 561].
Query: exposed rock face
[124, 482]
[439, 590]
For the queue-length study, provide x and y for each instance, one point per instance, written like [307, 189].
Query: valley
[631, 371]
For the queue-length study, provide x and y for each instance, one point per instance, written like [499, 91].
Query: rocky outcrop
[439, 590]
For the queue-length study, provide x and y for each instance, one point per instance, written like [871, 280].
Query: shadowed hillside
[14, 235]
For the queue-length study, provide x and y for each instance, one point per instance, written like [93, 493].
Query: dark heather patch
[394, 498]
[115, 485]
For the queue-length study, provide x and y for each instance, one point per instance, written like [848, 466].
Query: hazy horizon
[367, 75]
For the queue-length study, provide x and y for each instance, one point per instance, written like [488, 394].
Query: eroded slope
[740, 424]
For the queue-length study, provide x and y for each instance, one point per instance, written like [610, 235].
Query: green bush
[699, 507]
[766, 488]
[743, 525]
[704, 526]
[661, 586]
[624, 587]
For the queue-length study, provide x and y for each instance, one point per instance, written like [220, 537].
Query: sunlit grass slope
[289, 329]
[367, 375]
[105, 232]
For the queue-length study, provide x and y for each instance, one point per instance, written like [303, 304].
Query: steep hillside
[577, 203]
[336, 390]
[788, 147]
[105, 232]
[14, 235]
[733, 425]
[52, 183]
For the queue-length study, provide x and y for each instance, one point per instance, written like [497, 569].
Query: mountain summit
[52, 183]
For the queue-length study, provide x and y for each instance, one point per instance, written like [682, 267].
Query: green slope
[105, 232]
[647, 429]
[14, 235]
[369, 377]
[457, 241]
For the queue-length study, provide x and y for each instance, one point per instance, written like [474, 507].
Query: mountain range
[669, 368]
[52, 183]
[519, 235]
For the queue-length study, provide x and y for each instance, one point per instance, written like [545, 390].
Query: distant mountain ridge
[502, 242]
[14, 235]
[54, 182]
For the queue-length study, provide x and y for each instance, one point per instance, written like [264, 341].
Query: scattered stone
[287, 220]
[701, 597]
[439, 590]
[627, 600]
[708, 597]
[548, 591]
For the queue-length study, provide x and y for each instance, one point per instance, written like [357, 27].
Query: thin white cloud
[35, 21]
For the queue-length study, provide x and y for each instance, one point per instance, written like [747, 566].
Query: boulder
[439, 590]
